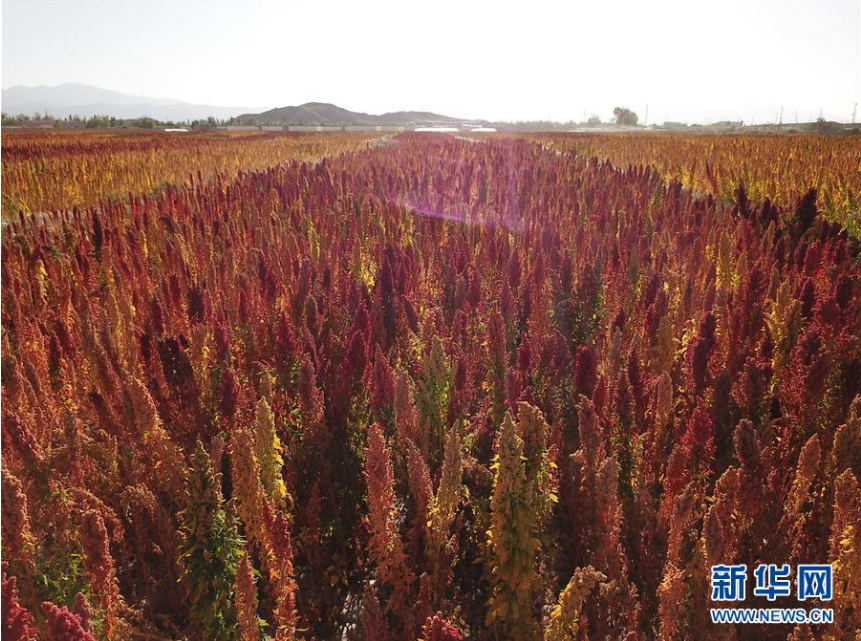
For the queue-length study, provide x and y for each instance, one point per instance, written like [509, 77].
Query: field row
[781, 168]
[46, 172]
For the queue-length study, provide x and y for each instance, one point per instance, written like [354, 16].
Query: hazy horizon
[690, 62]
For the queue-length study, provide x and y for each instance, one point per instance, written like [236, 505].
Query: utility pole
[854, 110]
[781, 115]
[646, 120]
[820, 113]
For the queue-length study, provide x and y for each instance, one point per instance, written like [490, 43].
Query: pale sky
[689, 60]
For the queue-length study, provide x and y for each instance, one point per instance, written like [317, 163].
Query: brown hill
[322, 113]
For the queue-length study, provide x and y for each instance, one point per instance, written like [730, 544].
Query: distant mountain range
[322, 113]
[72, 99]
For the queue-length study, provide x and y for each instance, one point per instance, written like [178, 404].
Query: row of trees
[621, 116]
[104, 122]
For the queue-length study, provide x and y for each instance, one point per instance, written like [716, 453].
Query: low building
[38, 124]
[317, 128]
